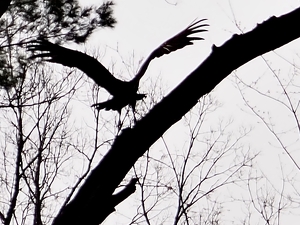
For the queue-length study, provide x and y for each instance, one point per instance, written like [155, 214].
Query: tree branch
[96, 193]
[125, 193]
[117, 199]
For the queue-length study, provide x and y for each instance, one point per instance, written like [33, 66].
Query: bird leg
[134, 118]
[119, 125]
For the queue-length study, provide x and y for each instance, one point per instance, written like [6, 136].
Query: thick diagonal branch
[96, 192]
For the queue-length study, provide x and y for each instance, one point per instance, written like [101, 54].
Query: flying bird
[123, 92]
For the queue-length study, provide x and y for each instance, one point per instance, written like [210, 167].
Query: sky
[143, 25]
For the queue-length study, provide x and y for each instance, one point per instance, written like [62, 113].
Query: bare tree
[180, 186]
[37, 135]
[96, 194]
[34, 148]
[271, 198]
[96, 198]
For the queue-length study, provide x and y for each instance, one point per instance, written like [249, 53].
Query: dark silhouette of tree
[93, 201]
[28, 97]
[62, 20]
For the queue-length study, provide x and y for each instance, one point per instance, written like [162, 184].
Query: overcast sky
[143, 25]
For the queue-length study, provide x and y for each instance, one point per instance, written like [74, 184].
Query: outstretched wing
[182, 39]
[71, 58]
[179, 41]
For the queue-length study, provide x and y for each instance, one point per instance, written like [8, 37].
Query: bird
[123, 92]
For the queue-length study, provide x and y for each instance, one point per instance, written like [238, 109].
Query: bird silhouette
[123, 92]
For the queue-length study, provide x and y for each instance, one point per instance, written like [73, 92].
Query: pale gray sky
[143, 25]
